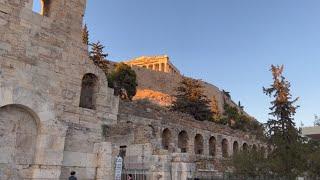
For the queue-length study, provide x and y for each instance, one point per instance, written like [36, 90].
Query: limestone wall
[42, 63]
[140, 129]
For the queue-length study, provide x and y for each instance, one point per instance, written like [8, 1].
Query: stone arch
[235, 147]
[224, 148]
[198, 144]
[254, 147]
[19, 129]
[166, 138]
[263, 151]
[245, 147]
[212, 146]
[41, 7]
[183, 141]
[89, 89]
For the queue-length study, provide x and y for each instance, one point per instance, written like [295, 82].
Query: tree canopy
[124, 81]
[190, 99]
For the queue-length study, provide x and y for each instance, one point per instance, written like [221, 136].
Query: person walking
[73, 176]
[130, 177]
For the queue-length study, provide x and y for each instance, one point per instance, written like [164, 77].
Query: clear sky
[229, 43]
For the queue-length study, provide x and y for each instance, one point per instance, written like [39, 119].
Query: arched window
[254, 147]
[18, 141]
[212, 146]
[224, 145]
[198, 144]
[166, 138]
[263, 151]
[88, 91]
[41, 7]
[245, 147]
[235, 147]
[183, 141]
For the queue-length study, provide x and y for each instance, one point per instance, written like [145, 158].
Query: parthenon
[155, 63]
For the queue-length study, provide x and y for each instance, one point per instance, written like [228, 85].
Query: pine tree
[85, 35]
[286, 157]
[190, 99]
[98, 57]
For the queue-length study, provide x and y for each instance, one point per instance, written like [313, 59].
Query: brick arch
[183, 141]
[254, 147]
[89, 90]
[245, 147]
[166, 138]
[42, 110]
[263, 151]
[19, 126]
[212, 146]
[225, 147]
[235, 147]
[198, 144]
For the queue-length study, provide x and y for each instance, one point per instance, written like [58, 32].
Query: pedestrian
[130, 177]
[73, 176]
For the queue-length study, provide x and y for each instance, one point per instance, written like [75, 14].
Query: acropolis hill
[158, 79]
[57, 113]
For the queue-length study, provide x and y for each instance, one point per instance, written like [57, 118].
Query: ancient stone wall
[54, 120]
[42, 65]
[196, 146]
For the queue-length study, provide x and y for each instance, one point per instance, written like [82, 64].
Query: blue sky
[229, 43]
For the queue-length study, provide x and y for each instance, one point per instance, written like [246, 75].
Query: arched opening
[88, 91]
[198, 144]
[41, 7]
[224, 146]
[18, 127]
[235, 147]
[212, 146]
[254, 148]
[166, 138]
[183, 141]
[245, 147]
[269, 149]
[263, 151]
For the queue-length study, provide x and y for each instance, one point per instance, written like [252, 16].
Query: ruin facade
[58, 115]
[154, 63]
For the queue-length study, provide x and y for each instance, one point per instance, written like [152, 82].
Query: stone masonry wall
[141, 124]
[42, 64]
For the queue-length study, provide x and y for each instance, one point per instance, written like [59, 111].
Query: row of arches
[183, 144]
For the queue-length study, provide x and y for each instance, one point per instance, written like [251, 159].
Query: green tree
[250, 164]
[124, 81]
[85, 35]
[286, 158]
[97, 55]
[190, 99]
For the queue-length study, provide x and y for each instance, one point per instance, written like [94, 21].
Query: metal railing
[135, 174]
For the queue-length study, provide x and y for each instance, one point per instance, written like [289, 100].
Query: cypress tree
[85, 35]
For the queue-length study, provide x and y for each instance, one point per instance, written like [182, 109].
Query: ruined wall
[42, 65]
[140, 129]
